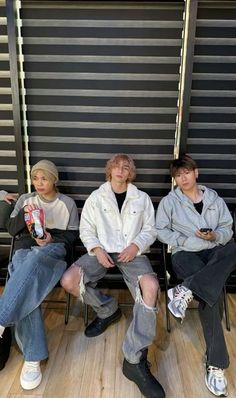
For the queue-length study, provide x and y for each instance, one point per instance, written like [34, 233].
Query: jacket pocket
[135, 210]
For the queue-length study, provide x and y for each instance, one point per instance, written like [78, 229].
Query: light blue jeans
[142, 329]
[33, 274]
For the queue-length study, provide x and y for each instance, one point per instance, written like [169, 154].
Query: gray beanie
[46, 165]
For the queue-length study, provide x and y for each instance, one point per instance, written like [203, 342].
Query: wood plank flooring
[79, 367]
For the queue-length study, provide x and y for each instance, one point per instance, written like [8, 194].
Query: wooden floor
[80, 367]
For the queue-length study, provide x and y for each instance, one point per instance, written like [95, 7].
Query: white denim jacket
[102, 225]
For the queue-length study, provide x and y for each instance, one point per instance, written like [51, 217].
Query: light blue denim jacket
[177, 221]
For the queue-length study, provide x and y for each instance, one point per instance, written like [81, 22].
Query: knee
[149, 286]
[71, 278]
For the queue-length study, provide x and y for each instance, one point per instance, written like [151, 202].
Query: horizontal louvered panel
[104, 93]
[87, 41]
[93, 23]
[102, 78]
[211, 128]
[103, 141]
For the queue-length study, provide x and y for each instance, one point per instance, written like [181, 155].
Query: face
[120, 172]
[186, 179]
[42, 184]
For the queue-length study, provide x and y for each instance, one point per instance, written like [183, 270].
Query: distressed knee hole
[139, 297]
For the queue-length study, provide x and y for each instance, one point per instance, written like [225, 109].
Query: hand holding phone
[206, 234]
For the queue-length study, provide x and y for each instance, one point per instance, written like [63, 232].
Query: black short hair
[183, 162]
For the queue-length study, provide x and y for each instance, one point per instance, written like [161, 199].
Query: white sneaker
[180, 297]
[31, 375]
[216, 381]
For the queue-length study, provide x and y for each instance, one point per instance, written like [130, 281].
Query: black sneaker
[99, 325]
[140, 374]
[5, 346]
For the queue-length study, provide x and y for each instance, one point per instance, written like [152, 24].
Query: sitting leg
[70, 280]
[81, 279]
[33, 275]
[185, 266]
[210, 316]
[31, 339]
[144, 287]
[217, 358]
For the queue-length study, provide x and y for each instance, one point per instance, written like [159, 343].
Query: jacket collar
[106, 190]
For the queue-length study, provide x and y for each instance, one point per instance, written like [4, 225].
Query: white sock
[2, 328]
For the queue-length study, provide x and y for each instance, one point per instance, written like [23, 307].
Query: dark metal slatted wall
[211, 135]
[8, 163]
[102, 78]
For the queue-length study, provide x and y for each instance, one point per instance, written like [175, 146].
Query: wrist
[135, 246]
[97, 249]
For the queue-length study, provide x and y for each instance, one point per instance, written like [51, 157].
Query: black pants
[205, 273]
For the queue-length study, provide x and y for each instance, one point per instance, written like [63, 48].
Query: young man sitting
[197, 224]
[117, 227]
[37, 265]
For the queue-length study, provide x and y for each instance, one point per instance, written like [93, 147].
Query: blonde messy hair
[115, 160]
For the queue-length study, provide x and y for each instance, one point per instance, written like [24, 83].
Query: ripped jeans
[142, 330]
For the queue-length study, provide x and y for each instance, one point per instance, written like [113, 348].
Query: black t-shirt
[120, 197]
[199, 206]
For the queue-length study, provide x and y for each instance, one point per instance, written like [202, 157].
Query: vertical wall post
[186, 70]
[12, 39]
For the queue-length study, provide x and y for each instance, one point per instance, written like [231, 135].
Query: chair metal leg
[226, 307]
[168, 326]
[85, 314]
[67, 310]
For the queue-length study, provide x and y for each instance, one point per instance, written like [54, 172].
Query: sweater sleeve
[163, 224]
[16, 223]
[64, 236]
[224, 230]
[69, 235]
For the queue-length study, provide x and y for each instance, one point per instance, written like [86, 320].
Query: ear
[196, 173]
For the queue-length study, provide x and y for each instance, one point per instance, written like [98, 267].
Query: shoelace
[146, 365]
[31, 366]
[184, 303]
[218, 372]
[183, 294]
[179, 291]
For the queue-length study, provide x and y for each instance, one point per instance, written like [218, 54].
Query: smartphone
[205, 230]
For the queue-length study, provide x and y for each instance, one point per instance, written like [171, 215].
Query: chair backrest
[5, 212]
[5, 239]
[234, 222]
